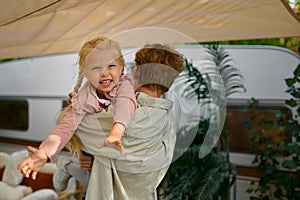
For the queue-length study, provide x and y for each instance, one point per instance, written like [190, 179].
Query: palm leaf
[209, 185]
[192, 83]
[232, 77]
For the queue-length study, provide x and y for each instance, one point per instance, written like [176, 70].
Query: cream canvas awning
[43, 27]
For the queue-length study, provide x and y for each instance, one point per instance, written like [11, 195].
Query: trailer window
[14, 114]
[242, 123]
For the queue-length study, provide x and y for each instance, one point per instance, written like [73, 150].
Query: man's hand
[71, 94]
[33, 163]
[85, 161]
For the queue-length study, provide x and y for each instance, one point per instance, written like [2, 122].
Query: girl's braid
[79, 80]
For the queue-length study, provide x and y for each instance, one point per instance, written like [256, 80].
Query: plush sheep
[9, 192]
[10, 188]
[4, 157]
[11, 174]
[43, 194]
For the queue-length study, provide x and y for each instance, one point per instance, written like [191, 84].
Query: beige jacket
[149, 143]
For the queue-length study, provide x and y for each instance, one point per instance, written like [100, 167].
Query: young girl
[102, 64]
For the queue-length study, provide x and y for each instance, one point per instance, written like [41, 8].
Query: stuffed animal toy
[10, 188]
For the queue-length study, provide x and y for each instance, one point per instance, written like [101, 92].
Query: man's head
[157, 66]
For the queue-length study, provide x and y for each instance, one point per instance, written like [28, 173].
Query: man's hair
[157, 66]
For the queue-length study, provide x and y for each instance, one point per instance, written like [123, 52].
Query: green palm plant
[191, 177]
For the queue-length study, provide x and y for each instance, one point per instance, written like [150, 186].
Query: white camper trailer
[33, 90]
[41, 84]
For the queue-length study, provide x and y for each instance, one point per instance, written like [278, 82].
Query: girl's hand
[33, 163]
[114, 138]
[112, 143]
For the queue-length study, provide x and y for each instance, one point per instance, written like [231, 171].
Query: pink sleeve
[62, 133]
[124, 104]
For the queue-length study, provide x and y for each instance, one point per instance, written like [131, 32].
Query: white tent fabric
[42, 27]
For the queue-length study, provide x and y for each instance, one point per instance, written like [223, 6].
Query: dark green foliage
[195, 80]
[9, 59]
[190, 177]
[279, 161]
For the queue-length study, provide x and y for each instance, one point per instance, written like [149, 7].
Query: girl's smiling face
[102, 69]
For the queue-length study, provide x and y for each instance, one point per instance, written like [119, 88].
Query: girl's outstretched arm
[33, 163]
